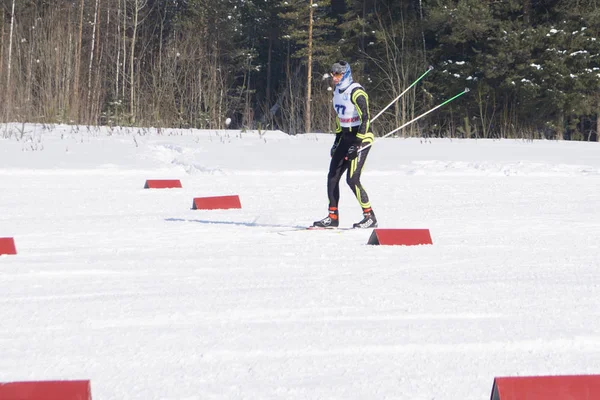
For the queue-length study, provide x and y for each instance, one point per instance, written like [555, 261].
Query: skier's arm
[361, 102]
[338, 135]
[338, 138]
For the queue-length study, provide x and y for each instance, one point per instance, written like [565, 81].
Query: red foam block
[7, 246]
[46, 390]
[162, 184]
[216, 202]
[566, 387]
[400, 237]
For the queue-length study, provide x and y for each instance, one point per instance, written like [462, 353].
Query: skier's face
[336, 77]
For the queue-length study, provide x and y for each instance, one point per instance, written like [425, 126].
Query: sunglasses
[337, 73]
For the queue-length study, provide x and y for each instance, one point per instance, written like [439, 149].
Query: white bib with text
[345, 109]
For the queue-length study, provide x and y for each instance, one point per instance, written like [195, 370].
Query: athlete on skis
[351, 105]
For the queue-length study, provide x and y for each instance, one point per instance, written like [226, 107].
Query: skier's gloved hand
[352, 152]
[333, 149]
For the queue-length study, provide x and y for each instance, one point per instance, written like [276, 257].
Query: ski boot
[330, 221]
[369, 220]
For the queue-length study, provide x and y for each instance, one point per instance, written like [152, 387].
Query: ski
[318, 228]
[315, 228]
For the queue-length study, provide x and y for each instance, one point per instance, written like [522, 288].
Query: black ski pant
[354, 167]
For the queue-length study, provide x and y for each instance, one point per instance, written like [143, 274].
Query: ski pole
[419, 117]
[402, 94]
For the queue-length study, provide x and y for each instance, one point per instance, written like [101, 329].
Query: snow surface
[149, 299]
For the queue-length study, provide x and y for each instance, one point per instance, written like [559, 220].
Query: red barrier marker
[162, 184]
[567, 387]
[46, 390]
[217, 202]
[400, 237]
[7, 246]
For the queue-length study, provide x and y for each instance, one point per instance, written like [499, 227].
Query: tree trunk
[136, 14]
[1, 42]
[307, 127]
[598, 125]
[10, 40]
[91, 64]
[422, 31]
[269, 60]
[124, 43]
[118, 60]
[560, 128]
[77, 72]
[526, 11]
[292, 120]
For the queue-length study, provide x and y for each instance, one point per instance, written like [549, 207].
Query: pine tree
[309, 29]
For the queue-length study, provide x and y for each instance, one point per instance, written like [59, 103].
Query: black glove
[352, 152]
[333, 149]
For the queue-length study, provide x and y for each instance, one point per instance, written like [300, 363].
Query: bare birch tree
[1, 42]
[138, 6]
[9, 68]
[118, 47]
[91, 62]
[77, 71]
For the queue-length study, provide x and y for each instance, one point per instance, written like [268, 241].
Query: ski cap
[342, 67]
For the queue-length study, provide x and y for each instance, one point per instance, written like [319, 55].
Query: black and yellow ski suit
[344, 154]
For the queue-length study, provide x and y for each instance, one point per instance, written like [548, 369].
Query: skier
[351, 105]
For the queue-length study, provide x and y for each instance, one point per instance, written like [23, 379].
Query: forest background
[531, 66]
